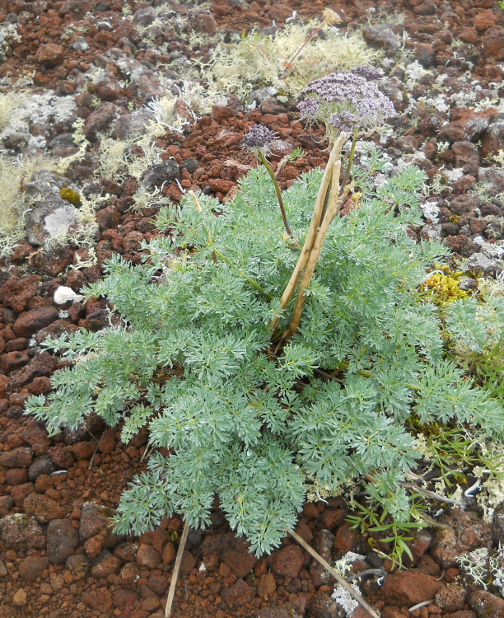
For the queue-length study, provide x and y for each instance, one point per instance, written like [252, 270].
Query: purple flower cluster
[369, 73]
[346, 101]
[259, 138]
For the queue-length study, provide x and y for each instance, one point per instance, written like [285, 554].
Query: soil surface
[58, 556]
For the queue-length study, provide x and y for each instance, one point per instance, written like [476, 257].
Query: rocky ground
[87, 60]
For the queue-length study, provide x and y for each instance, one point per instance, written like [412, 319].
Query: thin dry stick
[330, 17]
[281, 165]
[178, 560]
[430, 494]
[312, 232]
[92, 458]
[278, 192]
[96, 449]
[335, 574]
[332, 209]
[314, 33]
[145, 453]
[419, 490]
[433, 522]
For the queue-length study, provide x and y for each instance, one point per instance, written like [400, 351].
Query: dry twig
[341, 580]
[90, 465]
[312, 232]
[176, 569]
[332, 209]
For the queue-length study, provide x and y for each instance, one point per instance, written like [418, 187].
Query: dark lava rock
[62, 540]
[322, 606]
[382, 36]
[31, 568]
[78, 566]
[95, 519]
[486, 605]
[238, 594]
[156, 175]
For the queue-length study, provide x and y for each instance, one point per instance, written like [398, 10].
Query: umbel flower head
[369, 73]
[258, 139]
[346, 101]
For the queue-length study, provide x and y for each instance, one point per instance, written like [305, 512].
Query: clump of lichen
[13, 173]
[258, 60]
[70, 196]
[443, 286]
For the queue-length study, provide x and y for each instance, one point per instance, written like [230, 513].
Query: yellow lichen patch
[443, 286]
[70, 196]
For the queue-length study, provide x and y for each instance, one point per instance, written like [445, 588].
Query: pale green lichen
[475, 564]
[484, 568]
[258, 60]
[13, 203]
[8, 102]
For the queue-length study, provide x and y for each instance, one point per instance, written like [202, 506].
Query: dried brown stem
[176, 569]
[92, 458]
[334, 573]
[312, 232]
[95, 451]
[146, 452]
[332, 208]
[431, 494]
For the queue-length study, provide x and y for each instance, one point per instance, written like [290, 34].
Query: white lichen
[343, 566]
[475, 564]
[455, 174]
[430, 211]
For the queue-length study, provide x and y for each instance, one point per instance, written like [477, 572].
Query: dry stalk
[335, 574]
[332, 209]
[90, 465]
[196, 203]
[431, 494]
[176, 569]
[312, 232]
[425, 492]
[146, 452]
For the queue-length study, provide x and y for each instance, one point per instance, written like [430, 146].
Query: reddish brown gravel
[58, 555]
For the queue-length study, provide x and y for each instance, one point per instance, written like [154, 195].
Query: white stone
[58, 222]
[63, 294]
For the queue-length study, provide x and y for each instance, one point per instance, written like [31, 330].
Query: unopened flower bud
[259, 138]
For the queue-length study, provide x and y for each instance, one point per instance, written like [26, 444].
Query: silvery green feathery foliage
[240, 422]
[476, 325]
